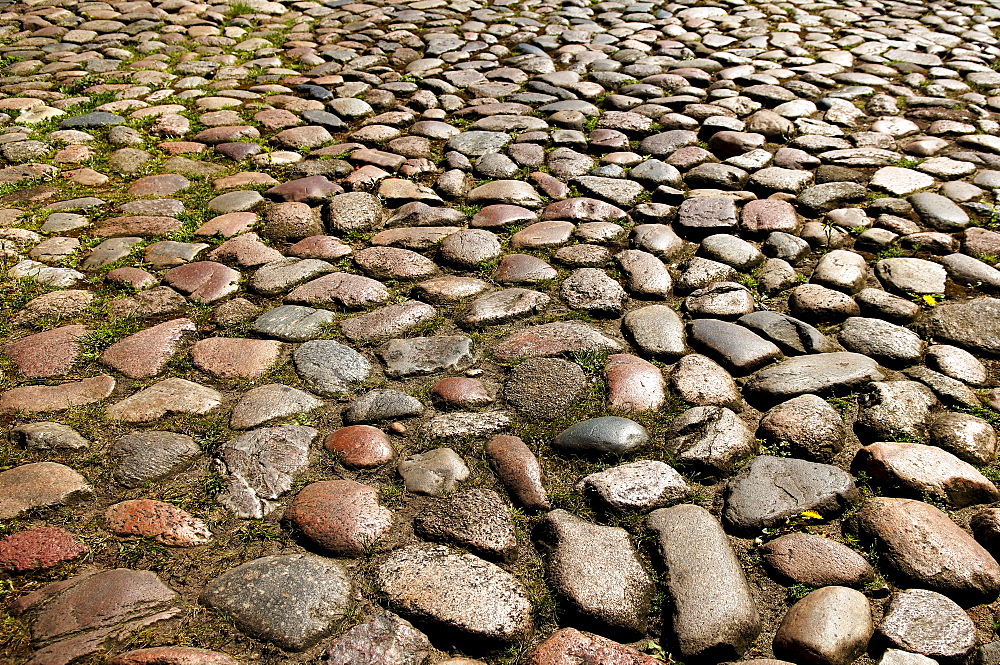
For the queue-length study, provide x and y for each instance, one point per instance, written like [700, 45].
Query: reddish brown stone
[550, 185]
[38, 549]
[228, 225]
[634, 385]
[235, 358]
[766, 215]
[502, 214]
[85, 176]
[148, 351]
[611, 139]
[38, 485]
[342, 516]
[159, 185]
[243, 179]
[553, 339]
[346, 289]
[461, 391]
[173, 395]
[296, 138]
[313, 189]
[689, 157]
[173, 656]
[273, 119]
[181, 147]
[245, 250]
[137, 278]
[976, 240]
[927, 469]
[46, 354]
[993, 399]
[394, 263]
[385, 160]
[365, 177]
[34, 399]
[361, 446]
[519, 471]
[319, 247]
[816, 561]
[582, 209]
[237, 150]
[31, 194]
[205, 281]
[157, 520]
[523, 269]
[542, 234]
[93, 612]
[141, 226]
[571, 647]
[381, 639]
[73, 154]
[924, 545]
[452, 288]
[220, 117]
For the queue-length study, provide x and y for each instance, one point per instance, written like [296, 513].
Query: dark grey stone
[434, 473]
[607, 434]
[790, 334]
[939, 212]
[292, 600]
[813, 374]
[892, 409]
[950, 391]
[270, 402]
[47, 436]
[143, 457]
[734, 345]
[324, 119]
[969, 271]
[928, 623]
[656, 329]
[971, 324]
[707, 214]
[881, 340]
[425, 355]
[329, 368]
[260, 466]
[376, 405]
[94, 119]
[293, 323]
[769, 490]
[831, 195]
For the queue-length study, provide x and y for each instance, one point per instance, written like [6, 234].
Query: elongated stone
[925, 546]
[714, 614]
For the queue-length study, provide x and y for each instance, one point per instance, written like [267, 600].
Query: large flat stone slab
[813, 374]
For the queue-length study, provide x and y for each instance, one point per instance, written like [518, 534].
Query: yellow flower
[811, 514]
[929, 300]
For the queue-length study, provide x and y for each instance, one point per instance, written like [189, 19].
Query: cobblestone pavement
[561, 333]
